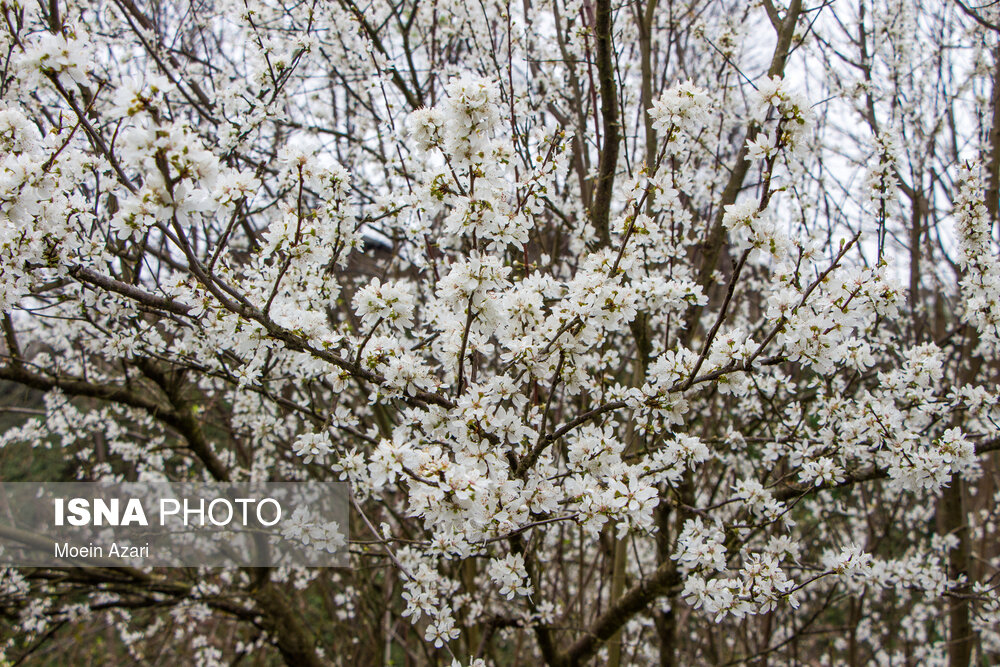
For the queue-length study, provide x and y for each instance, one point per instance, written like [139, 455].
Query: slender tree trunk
[993, 186]
[601, 210]
[961, 638]
[294, 640]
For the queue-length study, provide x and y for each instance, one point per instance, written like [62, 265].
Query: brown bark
[716, 235]
[293, 639]
[600, 212]
[961, 637]
[993, 187]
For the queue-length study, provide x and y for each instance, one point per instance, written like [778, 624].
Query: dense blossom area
[653, 332]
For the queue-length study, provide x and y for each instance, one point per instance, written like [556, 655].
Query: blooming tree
[644, 331]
